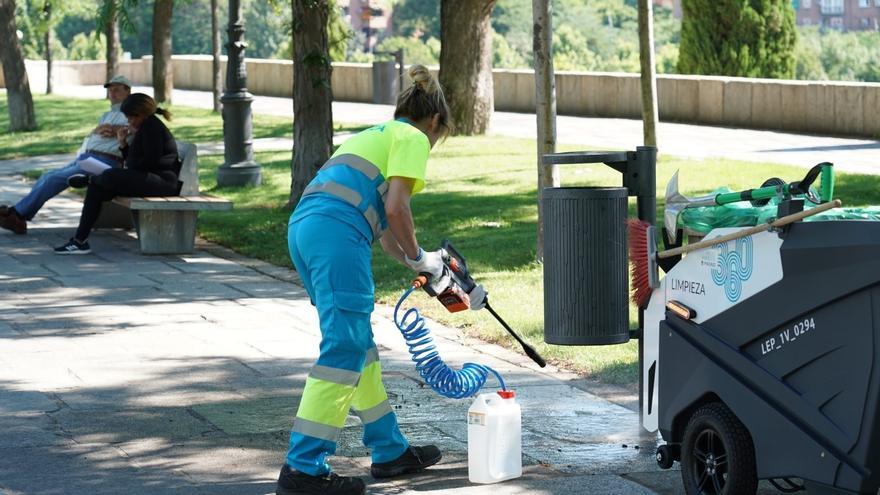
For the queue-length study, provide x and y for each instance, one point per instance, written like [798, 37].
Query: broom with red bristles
[644, 255]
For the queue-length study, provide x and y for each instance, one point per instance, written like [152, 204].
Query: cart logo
[733, 267]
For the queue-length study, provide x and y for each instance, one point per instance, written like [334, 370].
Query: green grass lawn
[481, 194]
[63, 123]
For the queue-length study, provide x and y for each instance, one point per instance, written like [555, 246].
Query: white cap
[120, 79]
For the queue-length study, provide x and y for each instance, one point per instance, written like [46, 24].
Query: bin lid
[585, 192]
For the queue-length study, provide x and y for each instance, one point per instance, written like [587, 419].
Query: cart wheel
[717, 454]
[664, 456]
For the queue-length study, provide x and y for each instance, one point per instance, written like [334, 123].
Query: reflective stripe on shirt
[351, 196]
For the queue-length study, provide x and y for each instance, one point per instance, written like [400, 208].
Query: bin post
[387, 85]
[386, 82]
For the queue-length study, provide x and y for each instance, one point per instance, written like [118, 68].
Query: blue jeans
[50, 185]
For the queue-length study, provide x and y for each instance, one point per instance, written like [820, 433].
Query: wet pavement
[124, 373]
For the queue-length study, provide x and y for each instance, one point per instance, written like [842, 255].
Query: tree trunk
[545, 103]
[18, 89]
[217, 81]
[111, 31]
[649, 72]
[466, 63]
[47, 42]
[163, 70]
[312, 95]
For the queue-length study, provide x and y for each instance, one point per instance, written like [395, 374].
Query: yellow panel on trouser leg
[325, 402]
[370, 390]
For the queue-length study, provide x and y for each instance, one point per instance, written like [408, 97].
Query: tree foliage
[267, 26]
[91, 46]
[417, 19]
[852, 56]
[748, 38]
[597, 35]
[415, 51]
[338, 35]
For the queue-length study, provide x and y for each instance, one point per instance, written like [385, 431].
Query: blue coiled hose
[447, 382]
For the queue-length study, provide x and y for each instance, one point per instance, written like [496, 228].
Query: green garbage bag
[700, 221]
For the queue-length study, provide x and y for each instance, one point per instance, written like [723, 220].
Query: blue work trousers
[333, 259]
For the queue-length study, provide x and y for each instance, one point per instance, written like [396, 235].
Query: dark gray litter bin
[386, 82]
[586, 269]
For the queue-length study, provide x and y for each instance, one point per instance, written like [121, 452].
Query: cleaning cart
[759, 354]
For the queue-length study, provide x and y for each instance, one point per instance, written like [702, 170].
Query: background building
[839, 14]
[846, 15]
[368, 18]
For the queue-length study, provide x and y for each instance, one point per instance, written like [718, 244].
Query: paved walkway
[124, 373]
[684, 140]
[180, 374]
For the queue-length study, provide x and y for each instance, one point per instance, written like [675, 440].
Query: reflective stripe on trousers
[333, 261]
[351, 196]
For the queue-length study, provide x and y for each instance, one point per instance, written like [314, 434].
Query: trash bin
[586, 268]
[386, 82]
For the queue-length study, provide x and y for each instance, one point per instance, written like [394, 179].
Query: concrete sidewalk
[124, 373]
[683, 140]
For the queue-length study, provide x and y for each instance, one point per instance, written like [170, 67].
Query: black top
[153, 149]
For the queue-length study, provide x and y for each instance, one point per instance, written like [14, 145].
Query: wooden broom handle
[779, 222]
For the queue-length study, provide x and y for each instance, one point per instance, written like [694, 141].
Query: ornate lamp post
[239, 168]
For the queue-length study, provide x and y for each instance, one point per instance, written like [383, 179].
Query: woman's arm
[392, 248]
[400, 221]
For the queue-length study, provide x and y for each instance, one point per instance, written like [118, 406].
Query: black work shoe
[78, 181]
[4, 210]
[414, 459]
[292, 482]
[74, 247]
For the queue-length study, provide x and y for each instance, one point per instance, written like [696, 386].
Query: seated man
[101, 144]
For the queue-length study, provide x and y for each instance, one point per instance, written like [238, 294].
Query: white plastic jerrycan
[494, 443]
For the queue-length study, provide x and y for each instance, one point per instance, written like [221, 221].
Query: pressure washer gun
[771, 188]
[455, 296]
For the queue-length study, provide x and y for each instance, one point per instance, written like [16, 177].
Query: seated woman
[151, 167]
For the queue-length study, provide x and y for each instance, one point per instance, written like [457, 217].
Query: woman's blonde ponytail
[423, 98]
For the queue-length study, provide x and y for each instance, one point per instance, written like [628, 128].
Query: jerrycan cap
[507, 394]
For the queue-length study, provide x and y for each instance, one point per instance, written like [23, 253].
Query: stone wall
[823, 107]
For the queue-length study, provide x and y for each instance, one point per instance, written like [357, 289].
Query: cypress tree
[746, 38]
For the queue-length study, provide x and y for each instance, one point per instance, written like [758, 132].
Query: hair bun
[422, 78]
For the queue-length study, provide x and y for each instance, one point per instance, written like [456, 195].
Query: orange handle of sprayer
[420, 281]
[453, 265]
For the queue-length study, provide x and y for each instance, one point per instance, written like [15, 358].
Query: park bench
[167, 224]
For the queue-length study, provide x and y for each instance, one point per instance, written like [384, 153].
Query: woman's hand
[122, 136]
